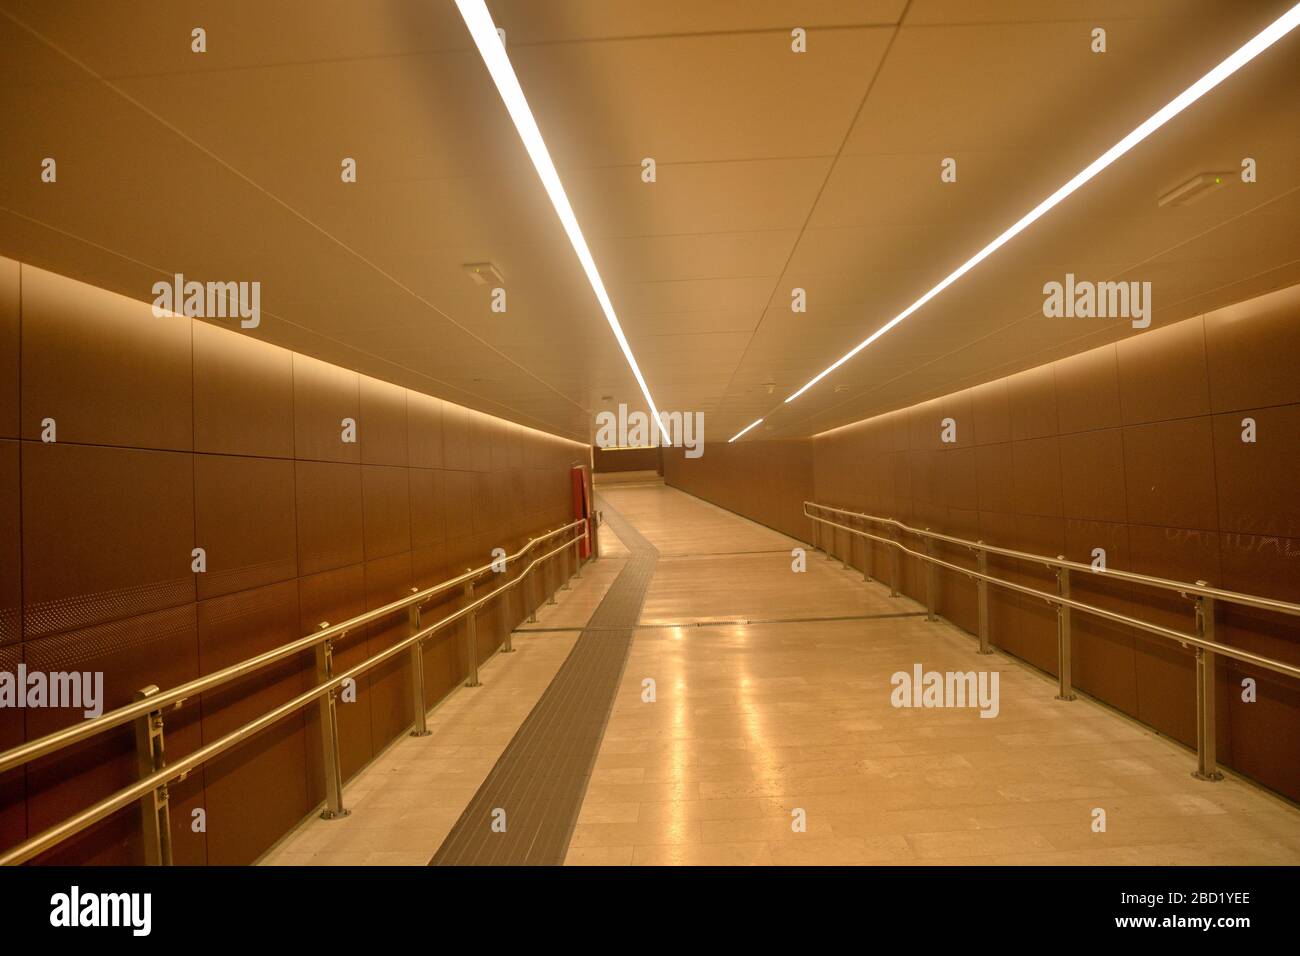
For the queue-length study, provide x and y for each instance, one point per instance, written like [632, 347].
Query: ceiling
[775, 170]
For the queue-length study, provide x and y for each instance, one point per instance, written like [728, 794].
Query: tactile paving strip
[541, 778]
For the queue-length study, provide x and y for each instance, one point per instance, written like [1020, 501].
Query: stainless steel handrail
[147, 711]
[1204, 598]
[1182, 587]
[25, 753]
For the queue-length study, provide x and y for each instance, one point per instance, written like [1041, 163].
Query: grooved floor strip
[537, 786]
[733, 622]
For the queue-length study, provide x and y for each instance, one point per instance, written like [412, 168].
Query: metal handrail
[25, 753]
[1182, 587]
[1204, 599]
[151, 788]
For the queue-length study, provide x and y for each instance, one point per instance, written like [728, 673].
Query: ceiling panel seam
[812, 208]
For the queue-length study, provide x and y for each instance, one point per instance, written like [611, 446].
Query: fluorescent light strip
[1261, 42]
[743, 430]
[484, 31]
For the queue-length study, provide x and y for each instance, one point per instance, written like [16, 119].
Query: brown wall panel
[991, 412]
[330, 515]
[1038, 534]
[425, 491]
[272, 767]
[388, 579]
[1102, 657]
[386, 510]
[11, 572]
[480, 441]
[777, 500]
[299, 528]
[484, 517]
[243, 395]
[1258, 481]
[1092, 475]
[961, 479]
[10, 356]
[245, 520]
[1031, 396]
[1005, 624]
[159, 648]
[995, 478]
[1262, 729]
[499, 433]
[13, 783]
[627, 459]
[385, 438]
[1237, 337]
[456, 452]
[1036, 470]
[1169, 468]
[458, 496]
[324, 396]
[1087, 391]
[424, 424]
[107, 533]
[1162, 374]
[103, 366]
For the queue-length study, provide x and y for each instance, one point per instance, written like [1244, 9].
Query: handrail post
[866, 551]
[1063, 634]
[1207, 767]
[531, 575]
[895, 561]
[982, 594]
[562, 562]
[578, 538]
[931, 580]
[471, 637]
[546, 565]
[816, 530]
[419, 725]
[509, 647]
[329, 733]
[155, 806]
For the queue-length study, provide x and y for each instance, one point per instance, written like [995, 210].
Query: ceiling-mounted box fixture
[1192, 190]
[484, 273]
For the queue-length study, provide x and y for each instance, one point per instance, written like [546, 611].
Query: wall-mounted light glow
[484, 31]
[743, 430]
[1253, 48]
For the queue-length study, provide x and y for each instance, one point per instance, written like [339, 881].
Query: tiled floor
[773, 695]
[754, 721]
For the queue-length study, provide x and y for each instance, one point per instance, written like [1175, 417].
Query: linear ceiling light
[743, 430]
[484, 31]
[1261, 42]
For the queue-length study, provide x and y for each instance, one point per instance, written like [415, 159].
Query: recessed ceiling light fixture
[483, 272]
[1198, 187]
[743, 430]
[1251, 49]
[484, 31]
